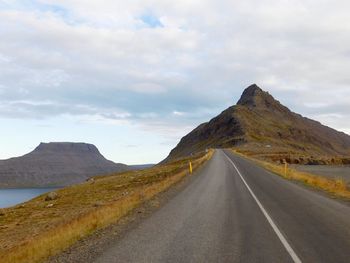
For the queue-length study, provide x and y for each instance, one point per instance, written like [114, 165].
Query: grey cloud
[197, 63]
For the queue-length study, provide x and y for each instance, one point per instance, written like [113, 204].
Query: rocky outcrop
[56, 164]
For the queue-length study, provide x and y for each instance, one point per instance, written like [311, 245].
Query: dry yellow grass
[32, 232]
[336, 187]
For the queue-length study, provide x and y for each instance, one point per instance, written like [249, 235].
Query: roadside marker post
[285, 168]
[190, 166]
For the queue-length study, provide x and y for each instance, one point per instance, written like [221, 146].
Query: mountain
[141, 166]
[260, 124]
[56, 164]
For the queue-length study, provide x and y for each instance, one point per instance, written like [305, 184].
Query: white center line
[285, 243]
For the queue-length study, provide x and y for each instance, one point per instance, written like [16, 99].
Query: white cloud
[178, 113]
[104, 57]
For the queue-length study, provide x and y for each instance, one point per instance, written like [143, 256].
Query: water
[11, 197]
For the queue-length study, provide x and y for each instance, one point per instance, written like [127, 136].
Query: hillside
[56, 164]
[260, 124]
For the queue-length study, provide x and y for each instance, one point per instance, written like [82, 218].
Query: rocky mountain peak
[259, 120]
[255, 97]
[66, 147]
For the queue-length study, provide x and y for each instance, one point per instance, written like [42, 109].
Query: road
[235, 211]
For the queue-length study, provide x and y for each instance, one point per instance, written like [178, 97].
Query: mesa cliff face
[259, 121]
[56, 164]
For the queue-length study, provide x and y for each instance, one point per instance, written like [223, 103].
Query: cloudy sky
[133, 77]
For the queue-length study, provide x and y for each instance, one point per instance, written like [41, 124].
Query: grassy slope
[292, 138]
[335, 187]
[33, 231]
[270, 134]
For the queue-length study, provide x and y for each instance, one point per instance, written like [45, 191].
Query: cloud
[134, 62]
[178, 113]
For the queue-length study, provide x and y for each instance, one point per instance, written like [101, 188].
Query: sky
[133, 77]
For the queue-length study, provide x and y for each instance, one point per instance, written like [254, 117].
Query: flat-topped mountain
[260, 123]
[67, 147]
[56, 164]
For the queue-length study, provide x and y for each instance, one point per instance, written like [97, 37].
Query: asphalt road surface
[235, 211]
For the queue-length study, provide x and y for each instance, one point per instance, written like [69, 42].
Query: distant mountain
[140, 166]
[261, 124]
[56, 164]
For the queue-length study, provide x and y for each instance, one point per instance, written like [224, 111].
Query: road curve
[235, 211]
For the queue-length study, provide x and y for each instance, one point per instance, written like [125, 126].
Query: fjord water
[11, 197]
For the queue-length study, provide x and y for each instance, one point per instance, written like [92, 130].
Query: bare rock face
[254, 97]
[258, 120]
[56, 164]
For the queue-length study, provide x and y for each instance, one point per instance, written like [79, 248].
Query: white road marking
[285, 243]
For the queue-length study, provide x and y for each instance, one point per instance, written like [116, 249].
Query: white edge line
[285, 243]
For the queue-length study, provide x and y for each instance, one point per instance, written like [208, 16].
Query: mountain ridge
[56, 164]
[260, 123]
[66, 146]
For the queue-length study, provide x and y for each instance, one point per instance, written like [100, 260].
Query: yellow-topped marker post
[190, 166]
